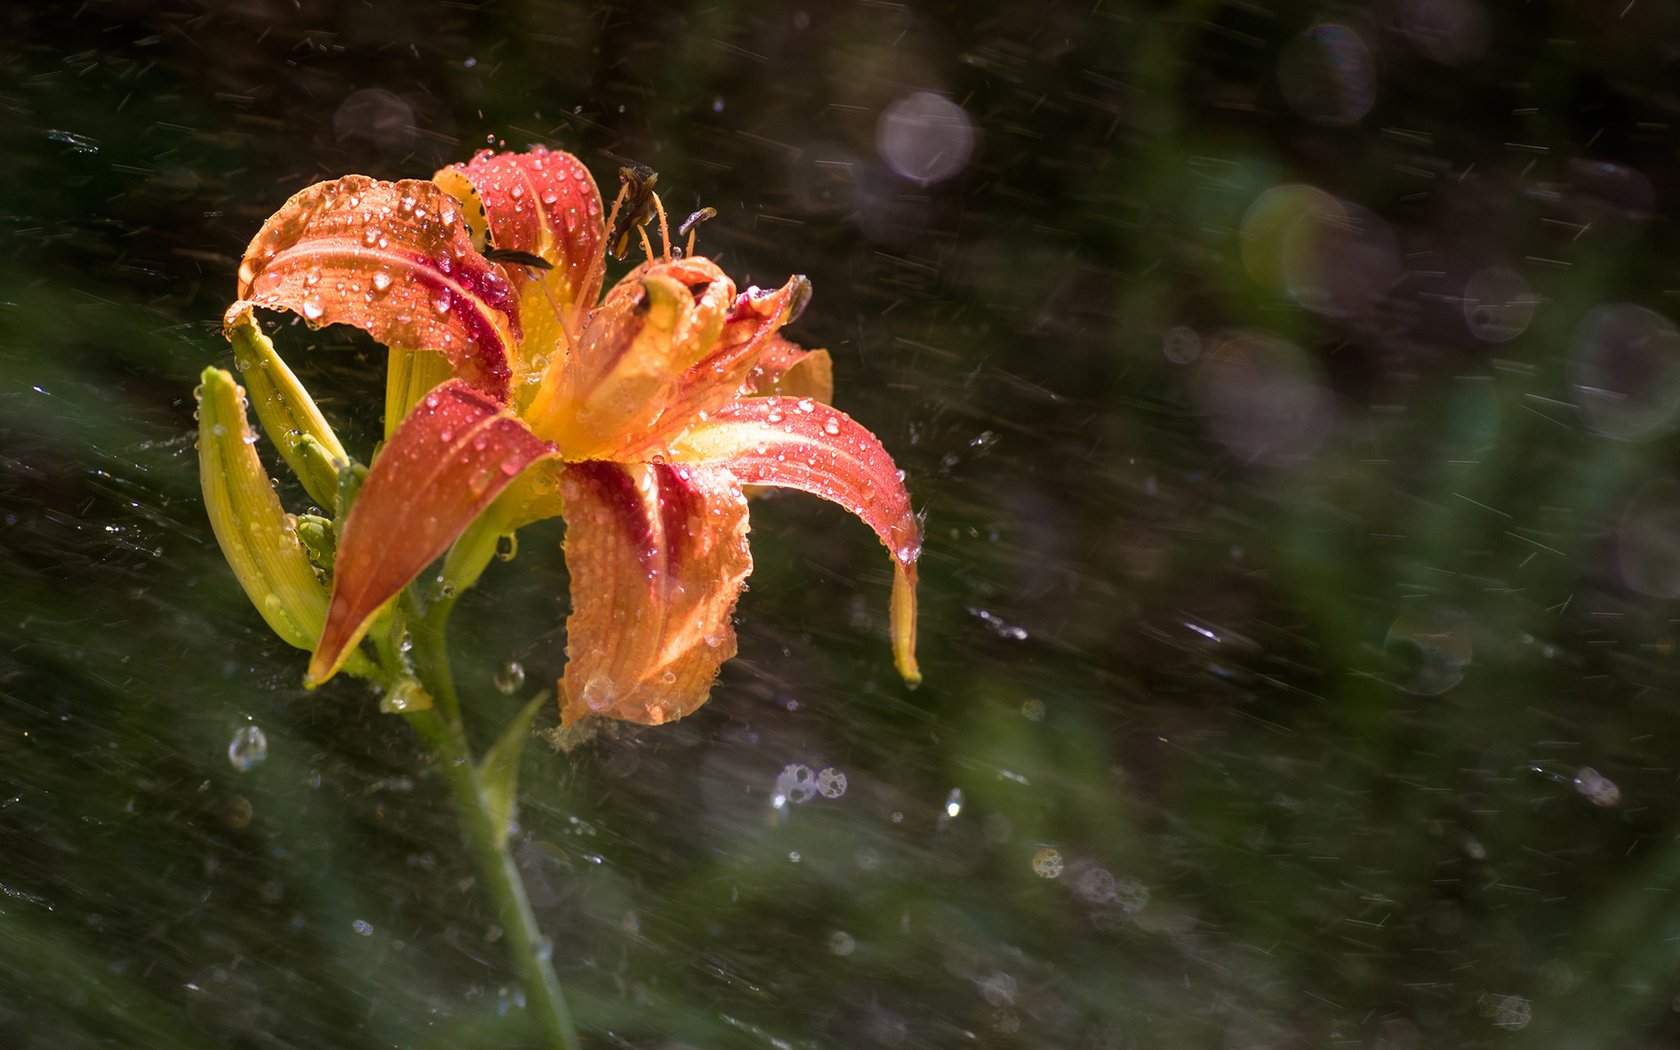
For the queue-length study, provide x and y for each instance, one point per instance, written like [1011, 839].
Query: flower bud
[258, 538]
[285, 409]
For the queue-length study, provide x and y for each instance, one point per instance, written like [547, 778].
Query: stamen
[612, 216]
[664, 228]
[692, 223]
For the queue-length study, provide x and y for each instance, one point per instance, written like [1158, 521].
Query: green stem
[488, 842]
[431, 653]
[442, 729]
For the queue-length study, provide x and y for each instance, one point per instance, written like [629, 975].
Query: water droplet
[796, 783]
[404, 697]
[1095, 886]
[362, 927]
[831, 782]
[510, 677]
[1047, 863]
[1597, 788]
[248, 748]
[954, 803]
[831, 426]
[507, 546]
[312, 309]
[441, 305]
[841, 943]
[381, 281]
[598, 692]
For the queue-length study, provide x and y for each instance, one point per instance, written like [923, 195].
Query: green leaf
[498, 773]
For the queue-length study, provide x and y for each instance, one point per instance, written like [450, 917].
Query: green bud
[257, 536]
[319, 539]
[288, 414]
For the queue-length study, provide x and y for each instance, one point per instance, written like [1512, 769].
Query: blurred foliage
[1313, 630]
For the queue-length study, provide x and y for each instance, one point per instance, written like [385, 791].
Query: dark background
[1298, 607]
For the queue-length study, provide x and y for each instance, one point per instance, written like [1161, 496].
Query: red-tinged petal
[543, 203]
[395, 260]
[787, 370]
[802, 444]
[718, 377]
[657, 556]
[452, 456]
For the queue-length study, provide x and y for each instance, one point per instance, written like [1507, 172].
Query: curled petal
[802, 444]
[654, 324]
[657, 556]
[545, 204]
[395, 260]
[718, 377]
[450, 459]
[258, 538]
[787, 370]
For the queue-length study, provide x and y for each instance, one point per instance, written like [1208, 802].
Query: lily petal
[654, 324]
[450, 459]
[802, 444]
[657, 556]
[718, 377]
[787, 370]
[395, 260]
[543, 203]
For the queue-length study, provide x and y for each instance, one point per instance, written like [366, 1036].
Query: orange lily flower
[639, 420]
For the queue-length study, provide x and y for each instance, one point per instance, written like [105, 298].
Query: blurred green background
[1290, 397]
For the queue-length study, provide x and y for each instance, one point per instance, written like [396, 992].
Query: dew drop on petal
[598, 692]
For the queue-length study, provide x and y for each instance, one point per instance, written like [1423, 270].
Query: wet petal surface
[395, 260]
[450, 459]
[802, 444]
[657, 556]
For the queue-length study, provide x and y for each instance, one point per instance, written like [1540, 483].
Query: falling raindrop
[1047, 863]
[831, 782]
[953, 803]
[248, 748]
[795, 783]
[1597, 788]
[509, 677]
